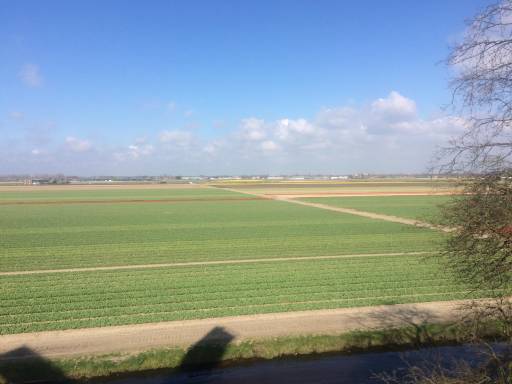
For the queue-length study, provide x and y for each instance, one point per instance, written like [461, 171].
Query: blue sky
[211, 87]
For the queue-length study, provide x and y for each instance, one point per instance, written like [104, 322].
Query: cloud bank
[384, 136]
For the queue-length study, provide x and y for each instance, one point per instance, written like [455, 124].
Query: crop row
[183, 287]
[358, 266]
[117, 194]
[100, 302]
[83, 285]
[59, 301]
[171, 304]
[21, 241]
[206, 250]
[224, 311]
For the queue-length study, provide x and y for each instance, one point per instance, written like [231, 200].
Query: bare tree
[479, 249]
[482, 93]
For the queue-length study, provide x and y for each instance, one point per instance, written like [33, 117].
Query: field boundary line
[350, 211]
[370, 215]
[213, 262]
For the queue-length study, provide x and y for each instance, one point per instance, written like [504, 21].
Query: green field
[88, 299]
[88, 235]
[44, 236]
[115, 194]
[412, 207]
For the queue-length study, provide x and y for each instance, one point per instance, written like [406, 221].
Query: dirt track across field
[371, 215]
[196, 263]
[396, 219]
[136, 338]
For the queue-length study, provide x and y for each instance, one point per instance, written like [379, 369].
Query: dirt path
[215, 262]
[371, 215]
[135, 338]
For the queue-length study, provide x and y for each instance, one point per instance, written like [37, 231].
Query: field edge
[169, 360]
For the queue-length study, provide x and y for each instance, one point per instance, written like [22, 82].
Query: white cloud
[286, 129]
[394, 106]
[213, 147]
[171, 106]
[188, 113]
[31, 76]
[78, 145]
[386, 135]
[269, 146]
[137, 150]
[253, 129]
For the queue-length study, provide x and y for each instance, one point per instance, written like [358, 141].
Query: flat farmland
[64, 265]
[424, 208]
[327, 188]
[115, 193]
[95, 299]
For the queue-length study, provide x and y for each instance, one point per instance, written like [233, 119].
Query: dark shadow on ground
[22, 365]
[207, 353]
[415, 327]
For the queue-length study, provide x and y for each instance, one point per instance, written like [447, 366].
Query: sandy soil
[134, 338]
[192, 263]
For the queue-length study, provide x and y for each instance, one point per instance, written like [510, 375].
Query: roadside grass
[170, 359]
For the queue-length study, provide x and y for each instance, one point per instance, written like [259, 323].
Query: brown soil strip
[135, 338]
[129, 201]
[194, 263]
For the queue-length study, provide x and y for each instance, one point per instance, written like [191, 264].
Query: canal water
[327, 369]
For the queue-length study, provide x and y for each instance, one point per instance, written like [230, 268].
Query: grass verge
[38, 369]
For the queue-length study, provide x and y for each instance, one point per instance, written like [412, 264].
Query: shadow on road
[23, 365]
[415, 323]
[29, 367]
[207, 353]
